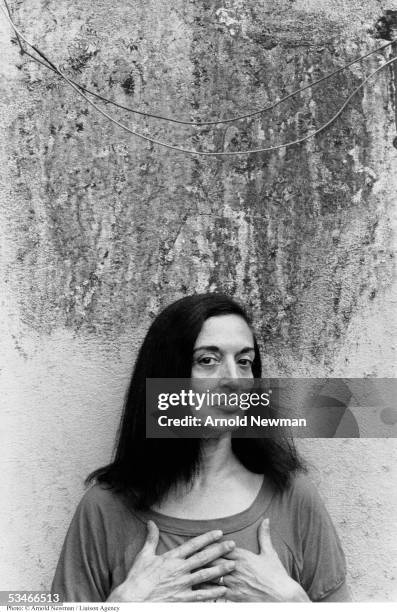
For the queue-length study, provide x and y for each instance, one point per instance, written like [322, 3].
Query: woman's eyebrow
[246, 349]
[207, 348]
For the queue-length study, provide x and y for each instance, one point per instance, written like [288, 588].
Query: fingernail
[217, 533]
[230, 544]
[231, 565]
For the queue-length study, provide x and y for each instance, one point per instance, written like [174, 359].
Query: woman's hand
[261, 577]
[170, 577]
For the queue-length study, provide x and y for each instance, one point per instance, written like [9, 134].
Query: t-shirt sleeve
[322, 560]
[82, 573]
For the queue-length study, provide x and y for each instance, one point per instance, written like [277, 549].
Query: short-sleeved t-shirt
[105, 536]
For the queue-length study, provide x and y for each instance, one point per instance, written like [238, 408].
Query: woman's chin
[220, 423]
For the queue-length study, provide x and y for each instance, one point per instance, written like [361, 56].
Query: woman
[221, 518]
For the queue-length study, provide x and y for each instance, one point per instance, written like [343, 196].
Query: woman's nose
[229, 371]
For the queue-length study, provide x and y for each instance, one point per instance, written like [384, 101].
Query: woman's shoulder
[104, 504]
[301, 493]
[100, 495]
[302, 506]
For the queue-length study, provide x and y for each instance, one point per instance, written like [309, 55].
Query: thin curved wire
[193, 151]
[218, 121]
[50, 66]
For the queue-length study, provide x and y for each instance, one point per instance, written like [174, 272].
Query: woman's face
[224, 348]
[222, 359]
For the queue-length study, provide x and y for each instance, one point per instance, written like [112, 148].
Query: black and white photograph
[198, 331]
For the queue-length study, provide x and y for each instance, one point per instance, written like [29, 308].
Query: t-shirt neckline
[228, 524]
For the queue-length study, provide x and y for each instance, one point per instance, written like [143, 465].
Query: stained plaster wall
[100, 229]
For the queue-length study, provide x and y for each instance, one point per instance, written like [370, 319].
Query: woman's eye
[245, 363]
[207, 361]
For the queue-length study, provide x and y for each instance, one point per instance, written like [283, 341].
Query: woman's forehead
[223, 330]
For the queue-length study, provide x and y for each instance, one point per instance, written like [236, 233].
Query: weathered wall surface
[99, 230]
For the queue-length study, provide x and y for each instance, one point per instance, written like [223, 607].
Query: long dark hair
[144, 469]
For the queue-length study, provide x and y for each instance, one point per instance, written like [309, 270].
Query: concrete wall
[99, 230]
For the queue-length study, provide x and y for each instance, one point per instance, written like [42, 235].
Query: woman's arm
[82, 573]
[319, 553]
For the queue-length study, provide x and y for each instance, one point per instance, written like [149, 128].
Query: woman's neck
[217, 461]
[223, 486]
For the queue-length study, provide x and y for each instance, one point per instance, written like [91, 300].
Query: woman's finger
[204, 594]
[152, 538]
[192, 546]
[209, 554]
[211, 573]
[264, 539]
[232, 555]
